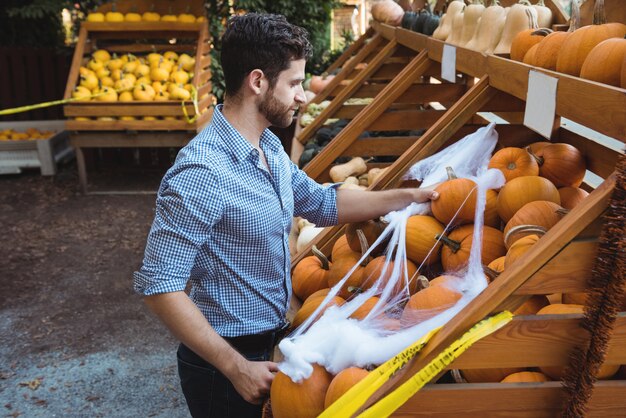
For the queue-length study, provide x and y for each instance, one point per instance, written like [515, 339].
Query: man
[223, 215]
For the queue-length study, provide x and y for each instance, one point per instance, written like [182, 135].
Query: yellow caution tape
[354, 398]
[386, 406]
[44, 104]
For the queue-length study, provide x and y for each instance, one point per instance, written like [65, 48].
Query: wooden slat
[410, 39]
[72, 78]
[351, 50]
[405, 120]
[504, 102]
[124, 139]
[387, 31]
[380, 146]
[467, 61]
[338, 101]
[594, 105]
[513, 400]
[149, 28]
[567, 272]
[537, 341]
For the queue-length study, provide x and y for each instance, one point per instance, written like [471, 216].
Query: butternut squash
[522, 16]
[355, 167]
[471, 19]
[544, 15]
[487, 27]
[445, 26]
[498, 28]
[457, 28]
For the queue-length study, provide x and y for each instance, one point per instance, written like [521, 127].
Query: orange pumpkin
[605, 61]
[548, 49]
[525, 377]
[310, 306]
[319, 82]
[300, 400]
[457, 245]
[342, 382]
[376, 270]
[340, 248]
[497, 265]
[460, 194]
[489, 375]
[514, 162]
[561, 163]
[421, 231]
[429, 302]
[579, 44]
[531, 56]
[371, 230]
[340, 268]
[525, 40]
[363, 310]
[521, 190]
[541, 213]
[533, 305]
[519, 248]
[310, 274]
[571, 196]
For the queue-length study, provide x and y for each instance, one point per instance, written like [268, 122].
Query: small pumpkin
[310, 305]
[533, 305]
[371, 229]
[421, 231]
[519, 248]
[605, 61]
[531, 56]
[489, 375]
[514, 162]
[572, 196]
[363, 310]
[525, 377]
[300, 400]
[310, 274]
[381, 268]
[342, 382]
[522, 190]
[524, 40]
[541, 213]
[340, 268]
[548, 49]
[497, 265]
[457, 245]
[579, 44]
[429, 302]
[562, 164]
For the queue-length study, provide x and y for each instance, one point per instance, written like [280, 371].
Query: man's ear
[256, 81]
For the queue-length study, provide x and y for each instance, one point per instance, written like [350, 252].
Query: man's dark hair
[260, 41]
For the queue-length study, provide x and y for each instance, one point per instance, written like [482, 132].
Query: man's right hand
[253, 379]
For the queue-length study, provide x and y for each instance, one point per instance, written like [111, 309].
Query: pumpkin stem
[524, 2]
[490, 273]
[562, 211]
[494, 3]
[451, 173]
[535, 156]
[574, 18]
[455, 246]
[540, 3]
[534, 229]
[364, 245]
[542, 32]
[320, 256]
[422, 282]
[599, 16]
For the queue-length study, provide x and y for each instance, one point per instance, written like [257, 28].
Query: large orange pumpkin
[541, 213]
[514, 162]
[310, 305]
[521, 190]
[548, 49]
[605, 61]
[579, 44]
[429, 302]
[489, 375]
[300, 400]
[531, 56]
[340, 248]
[525, 40]
[572, 196]
[459, 194]
[342, 382]
[371, 230]
[519, 248]
[376, 270]
[363, 310]
[421, 231]
[457, 245]
[561, 163]
[310, 274]
[525, 377]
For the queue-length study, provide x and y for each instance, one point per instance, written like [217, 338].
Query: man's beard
[276, 113]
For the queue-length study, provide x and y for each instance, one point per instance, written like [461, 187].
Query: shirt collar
[239, 146]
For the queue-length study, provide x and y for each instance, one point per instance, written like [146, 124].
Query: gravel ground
[76, 340]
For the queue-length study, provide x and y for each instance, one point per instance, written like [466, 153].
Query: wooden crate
[142, 38]
[559, 262]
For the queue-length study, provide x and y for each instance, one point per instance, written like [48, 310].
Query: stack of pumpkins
[596, 52]
[490, 29]
[542, 185]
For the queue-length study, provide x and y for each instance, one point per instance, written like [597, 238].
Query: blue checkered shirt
[222, 222]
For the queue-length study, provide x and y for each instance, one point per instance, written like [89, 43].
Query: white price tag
[448, 63]
[540, 103]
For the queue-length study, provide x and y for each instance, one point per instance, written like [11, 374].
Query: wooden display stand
[172, 128]
[559, 263]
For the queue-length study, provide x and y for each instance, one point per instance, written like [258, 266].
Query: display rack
[560, 262]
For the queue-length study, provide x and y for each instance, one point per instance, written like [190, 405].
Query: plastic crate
[37, 153]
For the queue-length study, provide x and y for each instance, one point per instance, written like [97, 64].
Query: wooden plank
[467, 61]
[388, 71]
[364, 120]
[338, 101]
[614, 9]
[149, 28]
[405, 120]
[379, 146]
[537, 341]
[567, 272]
[72, 78]
[594, 105]
[124, 139]
[350, 50]
[415, 41]
[387, 31]
[132, 125]
[504, 102]
[495, 296]
[512, 400]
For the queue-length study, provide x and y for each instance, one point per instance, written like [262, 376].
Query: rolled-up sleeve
[188, 205]
[313, 201]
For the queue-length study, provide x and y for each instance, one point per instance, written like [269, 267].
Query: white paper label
[540, 103]
[448, 63]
